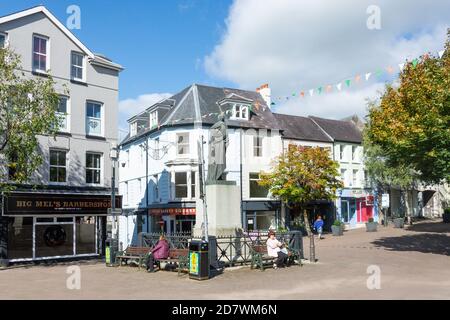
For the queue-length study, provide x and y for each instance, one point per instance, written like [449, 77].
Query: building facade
[63, 211]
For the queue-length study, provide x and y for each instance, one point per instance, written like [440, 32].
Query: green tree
[411, 124]
[28, 108]
[301, 175]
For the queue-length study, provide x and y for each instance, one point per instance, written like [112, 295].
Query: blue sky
[293, 45]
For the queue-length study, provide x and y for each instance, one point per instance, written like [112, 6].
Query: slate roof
[199, 104]
[301, 128]
[340, 130]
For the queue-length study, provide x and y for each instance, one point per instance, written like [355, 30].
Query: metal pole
[146, 183]
[203, 194]
[312, 249]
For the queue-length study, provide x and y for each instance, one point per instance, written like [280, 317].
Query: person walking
[318, 225]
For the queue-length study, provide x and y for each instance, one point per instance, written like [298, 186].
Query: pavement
[410, 263]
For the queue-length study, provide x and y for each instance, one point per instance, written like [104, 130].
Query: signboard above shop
[27, 204]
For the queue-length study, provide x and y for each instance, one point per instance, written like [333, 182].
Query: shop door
[348, 210]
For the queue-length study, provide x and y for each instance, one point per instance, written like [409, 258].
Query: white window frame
[250, 179]
[133, 129]
[83, 66]
[6, 43]
[189, 184]
[102, 118]
[47, 54]
[100, 169]
[186, 134]
[355, 180]
[342, 152]
[238, 111]
[153, 119]
[58, 166]
[258, 146]
[354, 153]
[344, 175]
[66, 115]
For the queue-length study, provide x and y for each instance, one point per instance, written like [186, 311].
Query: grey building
[64, 214]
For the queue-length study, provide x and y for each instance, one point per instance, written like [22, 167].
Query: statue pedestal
[223, 200]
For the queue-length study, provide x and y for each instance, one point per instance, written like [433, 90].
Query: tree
[411, 124]
[28, 108]
[301, 175]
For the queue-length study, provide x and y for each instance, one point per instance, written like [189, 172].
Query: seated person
[160, 251]
[274, 250]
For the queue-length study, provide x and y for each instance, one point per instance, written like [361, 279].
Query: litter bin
[111, 247]
[198, 260]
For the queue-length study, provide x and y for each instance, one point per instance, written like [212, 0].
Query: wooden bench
[260, 258]
[180, 257]
[137, 254]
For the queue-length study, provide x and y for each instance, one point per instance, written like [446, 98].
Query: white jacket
[273, 247]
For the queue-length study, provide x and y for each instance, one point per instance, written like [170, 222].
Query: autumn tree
[411, 123]
[301, 175]
[28, 108]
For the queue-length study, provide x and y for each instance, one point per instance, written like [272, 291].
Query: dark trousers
[282, 259]
[150, 262]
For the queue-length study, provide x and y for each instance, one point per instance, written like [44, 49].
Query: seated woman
[274, 250]
[160, 251]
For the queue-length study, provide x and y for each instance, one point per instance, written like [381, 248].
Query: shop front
[355, 207]
[261, 215]
[39, 226]
[314, 209]
[175, 219]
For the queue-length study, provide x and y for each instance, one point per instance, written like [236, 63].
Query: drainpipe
[240, 168]
[146, 183]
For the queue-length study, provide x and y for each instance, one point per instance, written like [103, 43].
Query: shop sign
[385, 200]
[19, 204]
[172, 211]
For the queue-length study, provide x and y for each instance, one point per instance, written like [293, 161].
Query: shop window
[85, 235]
[20, 238]
[257, 191]
[58, 168]
[54, 240]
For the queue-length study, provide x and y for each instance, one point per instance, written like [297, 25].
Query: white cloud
[131, 107]
[299, 44]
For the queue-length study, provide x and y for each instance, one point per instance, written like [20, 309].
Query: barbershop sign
[20, 204]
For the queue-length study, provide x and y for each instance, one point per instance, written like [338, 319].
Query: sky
[293, 45]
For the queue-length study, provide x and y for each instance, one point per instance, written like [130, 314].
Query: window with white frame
[355, 178]
[240, 112]
[185, 184]
[341, 152]
[93, 168]
[354, 153]
[94, 119]
[40, 53]
[63, 114]
[257, 146]
[58, 166]
[256, 190]
[153, 119]
[133, 129]
[343, 175]
[77, 66]
[2, 40]
[183, 144]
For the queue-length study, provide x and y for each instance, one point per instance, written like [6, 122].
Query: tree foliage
[301, 175]
[411, 125]
[28, 108]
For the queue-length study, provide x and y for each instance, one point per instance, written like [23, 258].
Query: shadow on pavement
[430, 227]
[425, 243]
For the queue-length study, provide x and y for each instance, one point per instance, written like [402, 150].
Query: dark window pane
[53, 174]
[180, 178]
[181, 191]
[85, 235]
[61, 175]
[20, 238]
[54, 240]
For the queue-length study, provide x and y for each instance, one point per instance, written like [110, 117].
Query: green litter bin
[198, 260]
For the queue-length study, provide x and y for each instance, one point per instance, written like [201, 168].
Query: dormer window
[133, 129]
[153, 119]
[240, 112]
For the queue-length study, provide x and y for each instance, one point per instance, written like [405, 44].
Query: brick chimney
[265, 92]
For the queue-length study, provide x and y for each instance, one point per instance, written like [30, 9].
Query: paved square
[414, 264]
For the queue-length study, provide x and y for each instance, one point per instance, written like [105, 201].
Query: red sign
[172, 211]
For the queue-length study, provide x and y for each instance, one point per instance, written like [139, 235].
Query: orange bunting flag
[302, 94]
[390, 69]
[358, 78]
[329, 88]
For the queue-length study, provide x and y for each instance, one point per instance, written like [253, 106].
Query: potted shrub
[337, 228]
[446, 216]
[399, 221]
[371, 226]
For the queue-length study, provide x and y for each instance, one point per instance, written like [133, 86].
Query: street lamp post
[114, 155]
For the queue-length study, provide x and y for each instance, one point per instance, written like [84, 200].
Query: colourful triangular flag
[329, 88]
[319, 89]
[379, 72]
[415, 62]
[293, 94]
[357, 78]
[368, 74]
[311, 92]
[441, 53]
[302, 94]
[347, 82]
[401, 66]
[389, 69]
[339, 86]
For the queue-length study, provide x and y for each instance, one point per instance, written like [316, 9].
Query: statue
[218, 143]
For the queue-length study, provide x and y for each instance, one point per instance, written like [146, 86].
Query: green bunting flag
[415, 62]
[347, 82]
[379, 72]
[320, 90]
